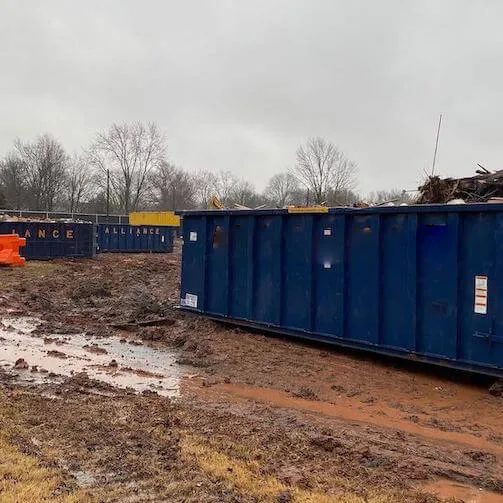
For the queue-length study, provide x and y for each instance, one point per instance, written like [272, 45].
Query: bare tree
[343, 197]
[322, 166]
[226, 184]
[204, 187]
[79, 183]
[45, 162]
[97, 203]
[130, 152]
[221, 184]
[396, 196]
[172, 188]
[243, 193]
[13, 180]
[281, 189]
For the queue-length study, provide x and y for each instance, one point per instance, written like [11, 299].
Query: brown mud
[447, 489]
[353, 411]
[239, 416]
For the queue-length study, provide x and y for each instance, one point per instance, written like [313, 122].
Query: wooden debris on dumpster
[485, 186]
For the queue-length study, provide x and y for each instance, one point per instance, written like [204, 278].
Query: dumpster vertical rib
[495, 282]
[311, 258]
[379, 273]
[341, 238]
[204, 239]
[458, 294]
[453, 293]
[412, 279]
[281, 267]
[251, 264]
[227, 265]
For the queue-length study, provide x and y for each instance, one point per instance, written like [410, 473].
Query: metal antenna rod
[436, 146]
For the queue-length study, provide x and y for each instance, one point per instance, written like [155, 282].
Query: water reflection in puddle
[120, 364]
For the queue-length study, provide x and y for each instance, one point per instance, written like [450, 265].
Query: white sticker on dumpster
[190, 300]
[480, 295]
[327, 232]
[193, 236]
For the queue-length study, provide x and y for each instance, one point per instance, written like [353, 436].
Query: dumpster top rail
[411, 208]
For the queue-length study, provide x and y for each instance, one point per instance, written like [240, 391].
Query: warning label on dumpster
[189, 301]
[480, 295]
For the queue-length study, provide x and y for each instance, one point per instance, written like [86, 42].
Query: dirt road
[94, 407]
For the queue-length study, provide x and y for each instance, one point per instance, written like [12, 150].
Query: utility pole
[108, 192]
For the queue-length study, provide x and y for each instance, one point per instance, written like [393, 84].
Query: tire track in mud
[379, 452]
[346, 409]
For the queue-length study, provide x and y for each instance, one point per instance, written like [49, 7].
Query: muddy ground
[232, 416]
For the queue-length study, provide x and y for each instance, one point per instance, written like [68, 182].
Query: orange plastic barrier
[9, 249]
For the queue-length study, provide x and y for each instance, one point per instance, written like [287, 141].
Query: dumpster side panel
[298, 272]
[48, 240]
[398, 281]
[495, 295]
[241, 262]
[123, 238]
[329, 268]
[478, 259]
[268, 269]
[437, 284]
[363, 292]
[103, 237]
[421, 282]
[194, 263]
[217, 276]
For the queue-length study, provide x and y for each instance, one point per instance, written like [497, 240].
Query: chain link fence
[97, 218]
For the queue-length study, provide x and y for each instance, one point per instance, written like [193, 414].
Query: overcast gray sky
[238, 84]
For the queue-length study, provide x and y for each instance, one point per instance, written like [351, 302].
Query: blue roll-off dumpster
[421, 282]
[125, 238]
[48, 240]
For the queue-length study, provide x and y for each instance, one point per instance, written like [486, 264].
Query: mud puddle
[356, 411]
[446, 489]
[37, 358]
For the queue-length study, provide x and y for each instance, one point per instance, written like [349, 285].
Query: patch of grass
[32, 270]
[246, 477]
[22, 479]
[241, 474]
